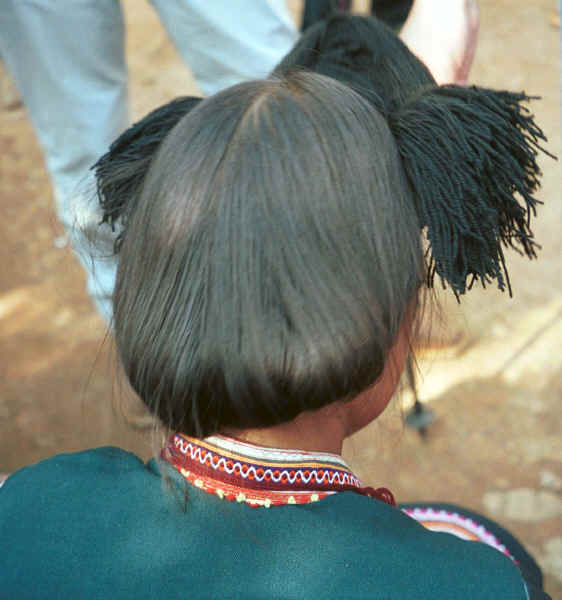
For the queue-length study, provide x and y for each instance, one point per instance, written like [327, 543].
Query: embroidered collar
[261, 476]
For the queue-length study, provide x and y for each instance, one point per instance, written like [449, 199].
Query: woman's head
[271, 259]
[270, 235]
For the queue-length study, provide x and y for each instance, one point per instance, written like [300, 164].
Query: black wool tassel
[121, 171]
[470, 157]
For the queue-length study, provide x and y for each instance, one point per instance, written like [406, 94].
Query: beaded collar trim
[260, 476]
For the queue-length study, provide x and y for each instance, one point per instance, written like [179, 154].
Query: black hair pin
[420, 416]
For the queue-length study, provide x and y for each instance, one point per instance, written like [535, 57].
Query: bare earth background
[496, 446]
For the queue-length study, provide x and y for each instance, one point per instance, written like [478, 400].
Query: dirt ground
[496, 445]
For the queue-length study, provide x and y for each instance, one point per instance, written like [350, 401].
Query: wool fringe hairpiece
[470, 157]
[121, 171]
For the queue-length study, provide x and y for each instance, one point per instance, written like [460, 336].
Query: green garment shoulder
[101, 524]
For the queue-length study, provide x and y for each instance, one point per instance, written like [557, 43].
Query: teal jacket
[102, 524]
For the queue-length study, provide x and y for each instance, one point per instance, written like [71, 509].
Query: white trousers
[67, 59]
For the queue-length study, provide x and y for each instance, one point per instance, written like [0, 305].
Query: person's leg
[228, 41]
[393, 12]
[315, 10]
[442, 34]
[68, 63]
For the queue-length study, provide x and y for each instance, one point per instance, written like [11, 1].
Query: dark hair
[271, 251]
[271, 258]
